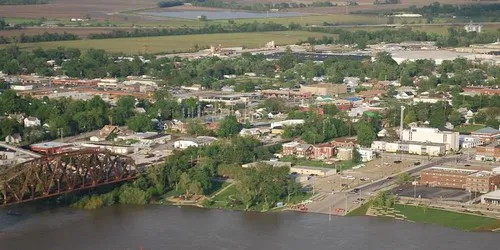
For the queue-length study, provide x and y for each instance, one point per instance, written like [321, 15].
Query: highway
[396, 25]
[328, 202]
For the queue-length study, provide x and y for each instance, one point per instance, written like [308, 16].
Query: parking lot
[433, 193]
[373, 170]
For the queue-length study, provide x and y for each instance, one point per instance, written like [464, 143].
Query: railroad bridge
[53, 175]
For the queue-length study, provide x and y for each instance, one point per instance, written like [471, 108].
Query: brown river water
[171, 227]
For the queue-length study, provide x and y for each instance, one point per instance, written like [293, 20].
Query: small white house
[367, 154]
[31, 122]
[13, 139]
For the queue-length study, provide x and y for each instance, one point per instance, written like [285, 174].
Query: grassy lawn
[229, 199]
[164, 44]
[360, 211]
[469, 128]
[456, 220]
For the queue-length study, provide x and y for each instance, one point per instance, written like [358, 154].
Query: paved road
[329, 202]
[397, 25]
[24, 151]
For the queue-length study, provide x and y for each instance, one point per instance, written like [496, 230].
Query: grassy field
[172, 44]
[360, 211]
[456, 220]
[469, 128]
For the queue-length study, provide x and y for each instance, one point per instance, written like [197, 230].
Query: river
[170, 227]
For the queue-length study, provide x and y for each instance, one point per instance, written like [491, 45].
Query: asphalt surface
[330, 202]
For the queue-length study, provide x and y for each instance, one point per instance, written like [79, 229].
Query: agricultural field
[81, 32]
[65, 9]
[170, 44]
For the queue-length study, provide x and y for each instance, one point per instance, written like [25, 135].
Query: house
[344, 142]
[306, 170]
[107, 130]
[255, 132]
[487, 135]
[175, 125]
[13, 139]
[289, 148]
[31, 122]
[323, 151]
[367, 154]
[304, 151]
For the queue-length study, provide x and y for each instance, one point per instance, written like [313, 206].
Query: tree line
[361, 38]
[22, 2]
[436, 9]
[206, 29]
[45, 37]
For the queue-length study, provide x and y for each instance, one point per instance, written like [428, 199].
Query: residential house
[304, 151]
[367, 154]
[31, 122]
[107, 130]
[344, 142]
[289, 148]
[13, 139]
[175, 125]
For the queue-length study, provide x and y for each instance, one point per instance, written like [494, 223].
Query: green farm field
[164, 44]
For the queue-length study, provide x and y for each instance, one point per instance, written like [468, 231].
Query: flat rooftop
[458, 171]
[51, 144]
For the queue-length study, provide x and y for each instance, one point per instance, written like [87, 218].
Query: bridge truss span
[58, 174]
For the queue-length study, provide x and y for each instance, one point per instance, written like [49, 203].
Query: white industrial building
[418, 148]
[432, 135]
[196, 142]
[438, 56]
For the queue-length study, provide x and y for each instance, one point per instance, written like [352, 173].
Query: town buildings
[418, 148]
[467, 179]
[321, 89]
[487, 135]
[433, 135]
[490, 152]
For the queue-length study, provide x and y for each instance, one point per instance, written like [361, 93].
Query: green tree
[140, 123]
[229, 126]
[366, 135]
[455, 118]
[403, 178]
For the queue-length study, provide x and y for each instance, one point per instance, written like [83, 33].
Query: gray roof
[487, 130]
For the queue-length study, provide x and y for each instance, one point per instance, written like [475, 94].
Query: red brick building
[445, 177]
[323, 151]
[487, 135]
[482, 182]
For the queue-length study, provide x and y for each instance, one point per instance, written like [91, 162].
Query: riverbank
[427, 215]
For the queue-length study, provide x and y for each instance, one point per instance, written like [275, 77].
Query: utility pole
[401, 123]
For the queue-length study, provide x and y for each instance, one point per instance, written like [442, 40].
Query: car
[356, 202]
[390, 178]
[356, 190]
[344, 185]
[361, 199]
[398, 161]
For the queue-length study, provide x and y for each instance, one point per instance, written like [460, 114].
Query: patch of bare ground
[64, 9]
